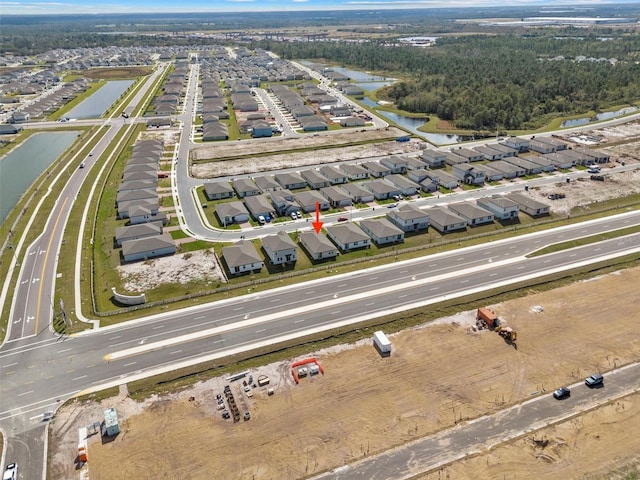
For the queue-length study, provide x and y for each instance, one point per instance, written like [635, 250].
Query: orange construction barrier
[306, 361]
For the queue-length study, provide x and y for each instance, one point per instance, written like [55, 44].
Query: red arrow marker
[317, 225]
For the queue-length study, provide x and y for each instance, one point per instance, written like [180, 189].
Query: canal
[98, 103]
[20, 168]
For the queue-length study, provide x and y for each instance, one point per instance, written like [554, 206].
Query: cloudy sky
[157, 6]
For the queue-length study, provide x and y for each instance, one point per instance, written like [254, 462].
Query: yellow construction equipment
[508, 333]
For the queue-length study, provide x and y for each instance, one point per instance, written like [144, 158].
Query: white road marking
[79, 378]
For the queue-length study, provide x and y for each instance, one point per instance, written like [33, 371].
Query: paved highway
[39, 370]
[30, 332]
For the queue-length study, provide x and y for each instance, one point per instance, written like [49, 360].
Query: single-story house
[558, 144]
[146, 194]
[381, 190]
[473, 214]
[489, 153]
[409, 218]
[280, 249]
[395, 164]
[505, 150]
[541, 147]
[155, 122]
[143, 160]
[347, 236]
[19, 117]
[232, 212]
[290, 181]
[490, 174]
[318, 246]
[579, 157]
[382, 231]
[376, 169]
[6, 129]
[546, 164]
[308, 199]
[444, 220]
[560, 161]
[529, 205]
[406, 186]
[452, 159]
[147, 167]
[468, 154]
[245, 187]
[242, 257]
[267, 183]
[517, 143]
[261, 128]
[132, 185]
[150, 247]
[502, 207]
[150, 203]
[259, 205]
[530, 168]
[134, 232]
[352, 122]
[334, 175]
[468, 174]
[434, 158]
[337, 196]
[600, 157]
[354, 172]
[315, 179]
[444, 179]
[218, 190]
[509, 170]
[146, 213]
[142, 175]
[358, 193]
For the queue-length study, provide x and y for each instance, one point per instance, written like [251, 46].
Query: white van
[261, 220]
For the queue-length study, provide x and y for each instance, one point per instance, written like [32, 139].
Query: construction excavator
[508, 333]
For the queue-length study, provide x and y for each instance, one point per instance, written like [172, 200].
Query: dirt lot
[365, 404]
[328, 151]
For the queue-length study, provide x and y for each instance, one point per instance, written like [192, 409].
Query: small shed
[111, 426]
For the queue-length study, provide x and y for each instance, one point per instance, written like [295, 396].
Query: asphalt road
[39, 370]
[57, 368]
[32, 311]
[485, 432]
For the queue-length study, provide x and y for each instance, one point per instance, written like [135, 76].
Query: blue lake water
[577, 122]
[101, 100]
[22, 166]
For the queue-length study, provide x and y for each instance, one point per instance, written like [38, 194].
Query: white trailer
[382, 343]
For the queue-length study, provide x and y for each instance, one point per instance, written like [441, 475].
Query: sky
[26, 7]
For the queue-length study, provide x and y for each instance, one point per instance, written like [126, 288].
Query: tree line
[495, 82]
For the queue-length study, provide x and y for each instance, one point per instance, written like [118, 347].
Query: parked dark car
[562, 392]
[342, 219]
[594, 380]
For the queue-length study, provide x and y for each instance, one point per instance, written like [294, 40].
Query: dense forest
[495, 82]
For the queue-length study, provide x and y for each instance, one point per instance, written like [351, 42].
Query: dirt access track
[364, 404]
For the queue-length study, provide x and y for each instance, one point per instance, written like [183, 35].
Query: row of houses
[137, 200]
[168, 101]
[280, 249]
